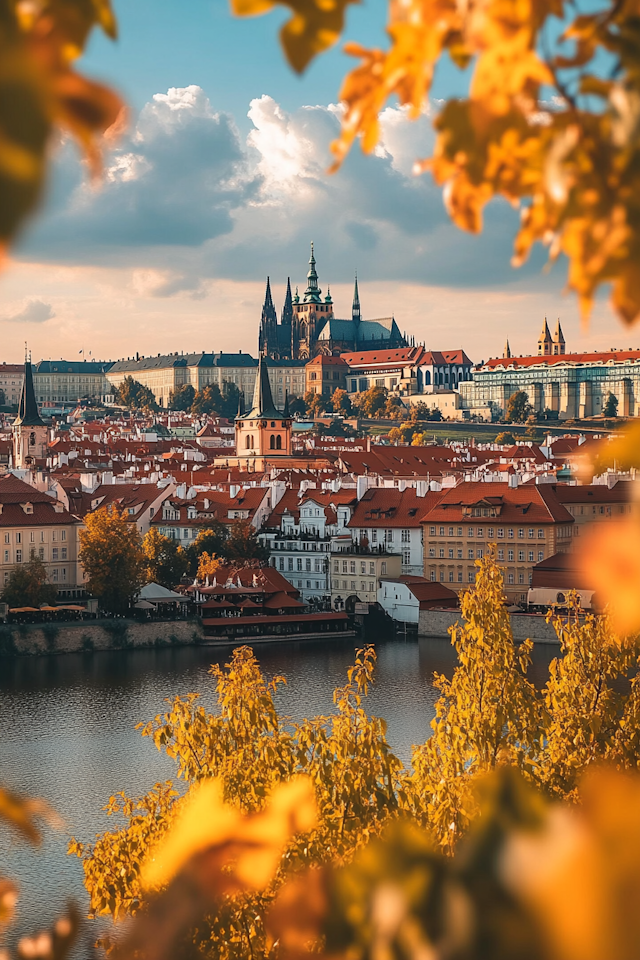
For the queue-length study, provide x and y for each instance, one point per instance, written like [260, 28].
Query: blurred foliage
[551, 121]
[40, 93]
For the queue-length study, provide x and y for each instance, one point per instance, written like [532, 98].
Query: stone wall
[88, 635]
[436, 623]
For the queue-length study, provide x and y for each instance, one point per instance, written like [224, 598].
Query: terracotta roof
[520, 505]
[386, 507]
[613, 356]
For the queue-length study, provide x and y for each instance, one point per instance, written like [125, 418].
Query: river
[68, 734]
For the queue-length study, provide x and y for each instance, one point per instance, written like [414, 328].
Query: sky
[221, 179]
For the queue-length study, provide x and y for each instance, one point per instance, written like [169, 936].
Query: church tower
[355, 306]
[29, 432]
[309, 316]
[265, 432]
[507, 351]
[545, 343]
[268, 338]
[559, 346]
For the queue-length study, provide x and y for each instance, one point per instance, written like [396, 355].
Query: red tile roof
[386, 507]
[517, 505]
[613, 356]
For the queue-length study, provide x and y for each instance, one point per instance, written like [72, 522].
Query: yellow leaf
[610, 561]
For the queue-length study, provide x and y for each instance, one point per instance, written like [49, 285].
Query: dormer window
[27, 507]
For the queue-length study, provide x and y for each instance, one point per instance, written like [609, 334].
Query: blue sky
[221, 179]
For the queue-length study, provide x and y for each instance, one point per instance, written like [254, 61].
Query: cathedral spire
[313, 291]
[287, 310]
[507, 351]
[268, 324]
[355, 307]
[28, 415]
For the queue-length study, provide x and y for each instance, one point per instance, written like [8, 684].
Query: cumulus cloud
[187, 200]
[32, 311]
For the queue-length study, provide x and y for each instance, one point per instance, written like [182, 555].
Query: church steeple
[287, 310]
[507, 350]
[544, 341]
[559, 345]
[313, 291]
[263, 405]
[355, 307]
[28, 415]
[29, 431]
[267, 341]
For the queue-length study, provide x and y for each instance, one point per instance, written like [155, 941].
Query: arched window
[427, 378]
[248, 443]
[272, 442]
[303, 331]
[278, 443]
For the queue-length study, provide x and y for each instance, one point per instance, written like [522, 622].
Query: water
[68, 734]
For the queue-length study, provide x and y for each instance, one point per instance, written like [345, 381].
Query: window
[389, 536]
[432, 576]
[532, 533]
[450, 553]
[450, 576]
[521, 578]
[7, 538]
[370, 588]
[432, 551]
[460, 553]
[459, 576]
[54, 535]
[336, 566]
[480, 532]
[501, 554]
[54, 575]
[442, 576]
[372, 568]
[510, 556]
[441, 553]
[500, 533]
[19, 538]
[480, 554]
[63, 535]
[459, 531]
[520, 556]
[510, 533]
[432, 533]
[383, 566]
[374, 536]
[363, 586]
[307, 565]
[363, 567]
[540, 555]
[18, 556]
[510, 578]
[470, 531]
[6, 556]
[520, 533]
[471, 577]
[344, 566]
[352, 566]
[490, 533]
[406, 557]
[281, 563]
[450, 531]
[32, 537]
[471, 554]
[353, 585]
[299, 564]
[289, 563]
[540, 534]
[531, 556]
[442, 531]
[406, 536]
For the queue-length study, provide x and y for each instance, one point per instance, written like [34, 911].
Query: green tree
[611, 406]
[208, 400]
[28, 585]
[166, 561]
[112, 558]
[135, 396]
[298, 407]
[518, 408]
[505, 438]
[341, 402]
[182, 398]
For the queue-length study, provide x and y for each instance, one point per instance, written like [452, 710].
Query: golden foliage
[208, 565]
[541, 126]
[112, 558]
[40, 92]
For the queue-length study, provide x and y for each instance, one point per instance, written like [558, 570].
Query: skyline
[218, 183]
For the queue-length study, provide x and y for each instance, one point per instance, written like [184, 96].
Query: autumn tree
[112, 558]
[611, 406]
[166, 561]
[182, 397]
[28, 585]
[370, 402]
[341, 402]
[135, 396]
[518, 407]
[314, 402]
[208, 566]
[505, 438]
[243, 543]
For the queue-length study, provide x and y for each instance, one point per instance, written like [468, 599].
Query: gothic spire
[355, 307]
[313, 291]
[28, 415]
[263, 405]
[287, 310]
[507, 350]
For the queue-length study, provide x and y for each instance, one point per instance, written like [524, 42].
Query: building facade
[407, 371]
[356, 572]
[66, 381]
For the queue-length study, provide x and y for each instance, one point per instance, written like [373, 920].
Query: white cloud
[31, 310]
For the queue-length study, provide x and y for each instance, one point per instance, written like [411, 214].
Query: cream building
[164, 374]
[65, 381]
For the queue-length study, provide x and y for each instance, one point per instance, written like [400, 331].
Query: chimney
[513, 480]
[421, 488]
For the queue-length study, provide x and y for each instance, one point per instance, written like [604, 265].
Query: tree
[212, 540]
[112, 558]
[28, 585]
[487, 714]
[243, 543]
[298, 407]
[505, 438]
[611, 406]
[341, 402]
[208, 566]
[135, 396]
[166, 561]
[208, 400]
[518, 408]
[182, 398]
[314, 403]
[370, 402]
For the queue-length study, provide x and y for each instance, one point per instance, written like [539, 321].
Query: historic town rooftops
[561, 571]
[387, 507]
[23, 505]
[72, 366]
[480, 502]
[613, 356]
[323, 360]
[395, 357]
[384, 328]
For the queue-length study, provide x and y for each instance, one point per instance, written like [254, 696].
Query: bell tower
[310, 315]
[29, 432]
[264, 432]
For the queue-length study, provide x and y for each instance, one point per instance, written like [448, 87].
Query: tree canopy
[518, 407]
[166, 562]
[28, 585]
[112, 557]
[135, 396]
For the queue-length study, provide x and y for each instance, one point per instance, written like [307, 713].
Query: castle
[308, 326]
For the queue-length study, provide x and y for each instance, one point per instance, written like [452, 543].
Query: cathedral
[308, 326]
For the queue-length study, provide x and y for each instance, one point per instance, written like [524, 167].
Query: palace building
[308, 325]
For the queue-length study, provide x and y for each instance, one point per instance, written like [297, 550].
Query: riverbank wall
[525, 626]
[31, 639]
